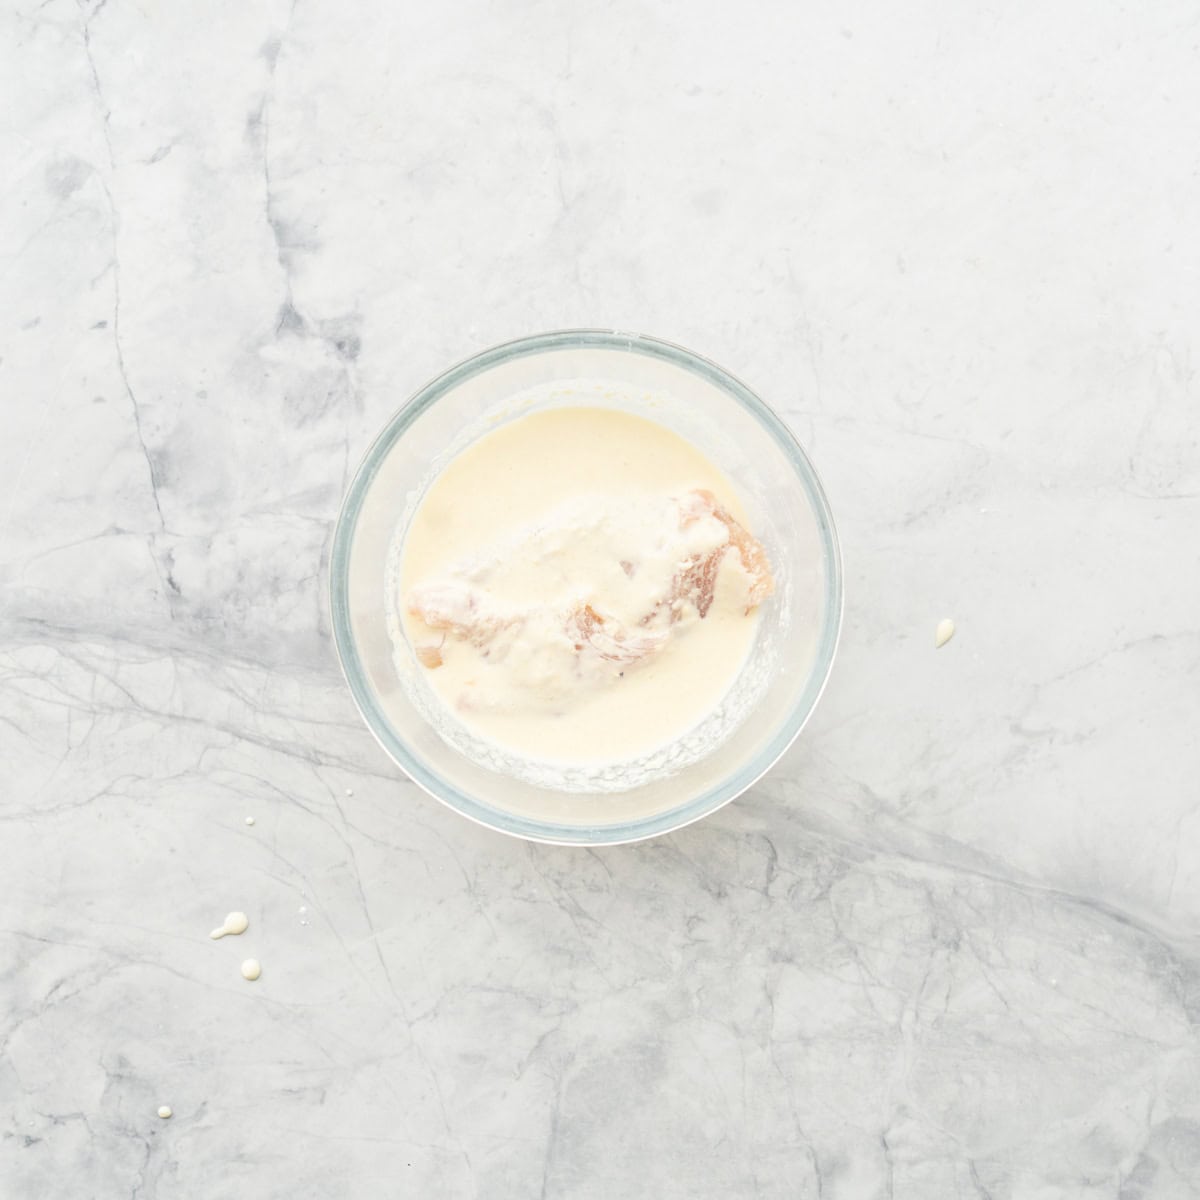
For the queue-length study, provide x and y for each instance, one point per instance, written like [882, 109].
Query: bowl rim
[525, 828]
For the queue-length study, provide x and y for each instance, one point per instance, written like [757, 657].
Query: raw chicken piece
[608, 638]
[458, 611]
[697, 580]
[461, 610]
[429, 654]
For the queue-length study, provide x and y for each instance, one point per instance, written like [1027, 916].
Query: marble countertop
[948, 948]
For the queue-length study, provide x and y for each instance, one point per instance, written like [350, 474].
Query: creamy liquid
[235, 923]
[552, 517]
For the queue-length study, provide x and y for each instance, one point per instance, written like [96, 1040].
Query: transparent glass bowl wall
[788, 511]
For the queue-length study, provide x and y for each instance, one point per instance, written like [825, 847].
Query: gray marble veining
[949, 948]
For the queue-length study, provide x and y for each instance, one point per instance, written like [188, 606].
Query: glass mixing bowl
[788, 511]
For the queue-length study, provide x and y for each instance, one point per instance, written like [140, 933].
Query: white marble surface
[949, 948]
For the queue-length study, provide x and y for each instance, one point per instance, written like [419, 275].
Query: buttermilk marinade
[579, 585]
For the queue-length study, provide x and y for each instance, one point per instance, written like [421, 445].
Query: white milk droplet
[945, 631]
[251, 969]
[249, 820]
[235, 922]
[164, 1111]
[349, 791]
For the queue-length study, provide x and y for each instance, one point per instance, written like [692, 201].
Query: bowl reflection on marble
[795, 641]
